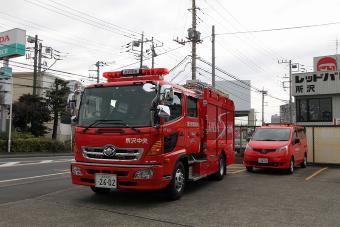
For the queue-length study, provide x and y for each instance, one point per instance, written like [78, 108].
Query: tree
[30, 113]
[57, 101]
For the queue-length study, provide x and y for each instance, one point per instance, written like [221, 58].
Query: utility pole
[213, 56]
[290, 92]
[35, 65]
[98, 64]
[39, 63]
[290, 88]
[194, 38]
[193, 41]
[141, 51]
[153, 53]
[263, 94]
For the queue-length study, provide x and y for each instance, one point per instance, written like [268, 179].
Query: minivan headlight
[282, 149]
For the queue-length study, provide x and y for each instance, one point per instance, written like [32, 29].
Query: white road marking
[26, 178]
[238, 171]
[45, 161]
[9, 164]
[12, 164]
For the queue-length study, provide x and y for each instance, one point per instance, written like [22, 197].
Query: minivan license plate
[106, 180]
[262, 160]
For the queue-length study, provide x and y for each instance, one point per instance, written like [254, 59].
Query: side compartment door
[193, 125]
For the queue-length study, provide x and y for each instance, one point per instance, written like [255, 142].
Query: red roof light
[155, 71]
[112, 75]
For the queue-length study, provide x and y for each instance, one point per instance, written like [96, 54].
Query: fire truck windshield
[119, 106]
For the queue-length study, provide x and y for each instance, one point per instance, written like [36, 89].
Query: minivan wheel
[304, 163]
[291, 166]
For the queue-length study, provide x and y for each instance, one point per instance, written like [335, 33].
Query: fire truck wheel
[221, 169]
[176, 187]
[100, 190]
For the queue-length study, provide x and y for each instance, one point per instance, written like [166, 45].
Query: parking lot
[310, 197]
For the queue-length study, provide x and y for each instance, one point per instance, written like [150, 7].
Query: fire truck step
[192, 161]
[196, 177]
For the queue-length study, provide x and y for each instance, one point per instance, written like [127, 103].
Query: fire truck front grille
[118, 154]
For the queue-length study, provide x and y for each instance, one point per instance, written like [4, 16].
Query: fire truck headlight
[76, 171]
[144, 174]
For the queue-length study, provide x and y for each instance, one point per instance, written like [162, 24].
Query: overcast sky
[86, 31]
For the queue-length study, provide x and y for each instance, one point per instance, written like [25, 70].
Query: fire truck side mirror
[163, 111]
[149, 87]
[167, 94]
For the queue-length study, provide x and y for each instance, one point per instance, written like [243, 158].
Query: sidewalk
[40, 154]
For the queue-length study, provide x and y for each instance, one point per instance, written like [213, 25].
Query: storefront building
[317, 93]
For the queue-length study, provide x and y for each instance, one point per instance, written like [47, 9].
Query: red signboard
[327, 64]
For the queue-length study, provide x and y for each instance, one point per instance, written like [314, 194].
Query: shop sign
[12, 43]
[316, 83]
[327, 63]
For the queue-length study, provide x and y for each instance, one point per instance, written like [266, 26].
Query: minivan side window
[295, 136]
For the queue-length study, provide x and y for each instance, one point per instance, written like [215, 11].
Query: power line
[278, 29]
[53, 70]
[76, 17]
[221, 87]
[183, 70]
[241, 81]
[88, 15]
[180, 63]
[168, 51]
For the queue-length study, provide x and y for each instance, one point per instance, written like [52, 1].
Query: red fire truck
[138, 131]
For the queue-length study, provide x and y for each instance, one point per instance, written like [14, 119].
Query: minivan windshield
[117, 106]
[271, 134]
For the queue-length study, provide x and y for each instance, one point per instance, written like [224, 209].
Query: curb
[26, 155]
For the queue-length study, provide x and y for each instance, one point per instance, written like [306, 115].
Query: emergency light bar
[135, 72]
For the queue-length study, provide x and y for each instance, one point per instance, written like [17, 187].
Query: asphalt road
[41, 194]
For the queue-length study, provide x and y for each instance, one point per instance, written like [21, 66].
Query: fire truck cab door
[192, 126]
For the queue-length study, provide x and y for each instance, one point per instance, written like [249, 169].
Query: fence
[323, 144]
[242, 133]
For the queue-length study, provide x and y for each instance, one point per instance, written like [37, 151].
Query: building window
[314, 110]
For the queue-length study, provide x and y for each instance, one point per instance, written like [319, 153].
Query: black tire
[304, 162]
[221, 169]
[100, 190]
[290, 169]
[249, 168]
[176, 187]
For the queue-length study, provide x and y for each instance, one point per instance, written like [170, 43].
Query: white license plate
[263, 160]
[103, 180]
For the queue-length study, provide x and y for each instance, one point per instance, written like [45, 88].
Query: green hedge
[17, 135]
[39, 144]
